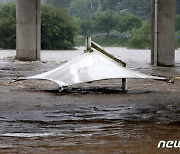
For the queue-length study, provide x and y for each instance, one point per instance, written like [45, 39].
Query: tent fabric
[90, 66]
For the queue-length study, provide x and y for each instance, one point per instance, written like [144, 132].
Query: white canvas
[90, 66]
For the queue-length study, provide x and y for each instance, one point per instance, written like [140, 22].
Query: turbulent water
[81, 128]
[36, 120]
[85, 127]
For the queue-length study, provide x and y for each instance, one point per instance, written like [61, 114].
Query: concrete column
[165, 32]
[28, 30]
[152, 31]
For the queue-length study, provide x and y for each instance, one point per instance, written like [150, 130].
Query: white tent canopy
[90, 66]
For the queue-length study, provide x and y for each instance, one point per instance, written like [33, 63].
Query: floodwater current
[90, 129]
[44, 121]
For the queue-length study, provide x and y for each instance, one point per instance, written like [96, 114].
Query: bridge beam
[28, 31]
[163, 32]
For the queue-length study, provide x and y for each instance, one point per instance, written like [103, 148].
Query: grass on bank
[112, 42]
[106, 42]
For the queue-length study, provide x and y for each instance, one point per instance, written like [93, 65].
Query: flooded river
[36, 118]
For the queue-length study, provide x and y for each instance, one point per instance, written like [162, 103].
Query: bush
[106, 21]
[177, 43]
[85, 28]
[58, 28]
[128, 22]
[8, 26]
[105, 42]
[141, 37]
[178, 22]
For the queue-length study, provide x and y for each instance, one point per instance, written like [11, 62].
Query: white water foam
[27, 135]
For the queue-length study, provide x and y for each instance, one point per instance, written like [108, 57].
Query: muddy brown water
[89, 118]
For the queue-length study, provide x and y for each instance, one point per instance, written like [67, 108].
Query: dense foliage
[139, 10]
[138, 7]
[58, 28]
[59, 3]
[178, 30]
[96, 18]
[178, 23]
[106, 21]
[86, 27]
[8, 26]
[128, 22]
[141, 37]
[88, 8]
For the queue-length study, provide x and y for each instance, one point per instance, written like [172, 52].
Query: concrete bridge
[28, 23]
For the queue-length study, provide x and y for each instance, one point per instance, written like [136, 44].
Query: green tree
[84, 9]
[141, 37]
[110, 4]
[178, 30]
[58, 28]
[8, 26]
[85, 28]
[128, 22]
[106, 21]
[60, 3]
[178, 22]
[138, 7]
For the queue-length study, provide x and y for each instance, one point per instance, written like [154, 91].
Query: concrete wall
[28, 31]
[166, 33]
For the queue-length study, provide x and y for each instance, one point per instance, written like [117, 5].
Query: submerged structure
[92, 65]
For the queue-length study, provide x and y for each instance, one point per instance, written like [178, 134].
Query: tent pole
[100, 49]
[88, 45]
[124, 84]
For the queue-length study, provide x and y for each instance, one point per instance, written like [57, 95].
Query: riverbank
[105, 42]
[111, 42]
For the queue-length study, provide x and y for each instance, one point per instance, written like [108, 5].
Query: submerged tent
[90, 66]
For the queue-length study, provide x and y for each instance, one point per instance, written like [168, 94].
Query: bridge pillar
[28, 30]
[163, 32]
